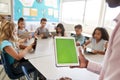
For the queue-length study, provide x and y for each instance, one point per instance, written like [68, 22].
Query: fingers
[74, 66]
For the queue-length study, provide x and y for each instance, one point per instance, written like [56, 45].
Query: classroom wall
[9, 2]
[33, 12]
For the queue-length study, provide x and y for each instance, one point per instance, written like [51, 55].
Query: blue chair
[7, 68]
[25, 72]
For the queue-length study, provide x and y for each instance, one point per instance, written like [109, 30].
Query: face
[21, 24]
[43, 24]
[59, 29]
[97, 35]
[78, 31]
[113, 3]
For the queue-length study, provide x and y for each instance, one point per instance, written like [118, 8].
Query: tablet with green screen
[66, 52]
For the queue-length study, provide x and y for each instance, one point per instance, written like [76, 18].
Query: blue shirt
[80, 39]
[4, 44]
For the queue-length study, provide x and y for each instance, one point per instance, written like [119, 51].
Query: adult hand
[83, 62]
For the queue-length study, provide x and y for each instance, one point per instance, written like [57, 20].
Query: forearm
[22, 46]
[24, 52]
[101, 52]
[94, 67]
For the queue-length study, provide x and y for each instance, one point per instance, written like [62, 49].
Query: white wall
[9, 2]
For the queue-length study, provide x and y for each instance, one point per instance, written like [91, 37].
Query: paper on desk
[45, 47]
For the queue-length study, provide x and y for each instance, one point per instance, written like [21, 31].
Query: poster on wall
[26, 11]
[32, 10]
[50, 12]
[51, 3]
[27, 3]
[55, 13]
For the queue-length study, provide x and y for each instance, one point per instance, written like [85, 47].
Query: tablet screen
[66, 53]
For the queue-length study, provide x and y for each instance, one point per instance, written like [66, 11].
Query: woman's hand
[83, 62]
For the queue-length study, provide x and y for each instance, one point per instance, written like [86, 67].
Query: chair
[25, 72]
[8, 71]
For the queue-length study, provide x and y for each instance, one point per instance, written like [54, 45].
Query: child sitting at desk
[10, 50]
[60, 30]
[41, 31]
[21, 28]
[79, 38]
[98, 41]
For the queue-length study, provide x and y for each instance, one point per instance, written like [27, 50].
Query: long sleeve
[113, 67]
[94, 67]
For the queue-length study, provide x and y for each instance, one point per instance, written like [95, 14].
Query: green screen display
[66, 51]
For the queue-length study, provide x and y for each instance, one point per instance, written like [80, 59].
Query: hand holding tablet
[66, 51]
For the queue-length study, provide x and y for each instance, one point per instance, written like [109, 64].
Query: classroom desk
[46, 64]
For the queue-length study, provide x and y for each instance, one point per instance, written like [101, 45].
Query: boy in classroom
[79, 38]
[41, 31]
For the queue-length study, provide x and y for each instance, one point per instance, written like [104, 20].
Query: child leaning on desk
[60, 30]
[98, 41]
[22, 32]
[79, 38]
[7, 46]
[41, 31]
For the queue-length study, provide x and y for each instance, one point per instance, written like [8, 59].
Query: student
[8, 47]
[60, 30]
[110, 70]
[98, 41]
[79, 38]
[42, 31]
[21, 27]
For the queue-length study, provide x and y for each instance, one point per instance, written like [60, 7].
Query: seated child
[41, 31]
[8, 47]
[98, 41]
[60, 30]
[21, 28]
[79, 38]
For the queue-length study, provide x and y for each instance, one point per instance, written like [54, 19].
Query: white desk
[46, 65]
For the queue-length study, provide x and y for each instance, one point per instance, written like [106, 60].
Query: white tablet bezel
[69, 64]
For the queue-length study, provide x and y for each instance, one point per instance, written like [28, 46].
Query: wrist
[86, 63]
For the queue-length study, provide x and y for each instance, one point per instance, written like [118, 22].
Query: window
[72, 12]
[110, 15]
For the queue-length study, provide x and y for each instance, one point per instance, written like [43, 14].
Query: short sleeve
[4, 44]
[37, 31]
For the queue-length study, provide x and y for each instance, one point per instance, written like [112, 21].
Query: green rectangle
[66, 51]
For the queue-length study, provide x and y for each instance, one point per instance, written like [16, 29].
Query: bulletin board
[34, 10]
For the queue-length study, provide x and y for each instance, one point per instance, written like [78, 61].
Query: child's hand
[41, 35]
[83, 62]
[95, 51]
[77, 43]
[65, 78]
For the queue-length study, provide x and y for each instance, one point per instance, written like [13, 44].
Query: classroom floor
[3, 75]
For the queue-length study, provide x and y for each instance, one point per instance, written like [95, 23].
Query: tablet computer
[66, 51]
[25, 35]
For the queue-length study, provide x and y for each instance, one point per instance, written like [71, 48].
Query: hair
[20, 20]
[43, 19]
[78, 26]
[60, 25]
[6, 32]
[104, 33]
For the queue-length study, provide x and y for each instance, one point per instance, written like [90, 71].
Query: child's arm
[11, 51]
[98, 52]
[87, 42]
